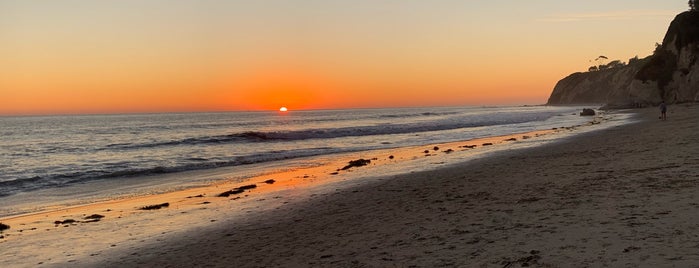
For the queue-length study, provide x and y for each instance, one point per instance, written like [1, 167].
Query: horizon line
[115, 113]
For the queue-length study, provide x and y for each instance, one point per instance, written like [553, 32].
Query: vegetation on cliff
[671, 73]
[682, 33]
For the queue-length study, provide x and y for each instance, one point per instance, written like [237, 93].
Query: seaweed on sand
[93, 218]
[158, 206]
[357, 163]
[238, 190]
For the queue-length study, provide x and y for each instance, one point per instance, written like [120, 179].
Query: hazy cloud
[612, 15]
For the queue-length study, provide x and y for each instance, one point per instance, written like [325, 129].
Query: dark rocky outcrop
[670, 74]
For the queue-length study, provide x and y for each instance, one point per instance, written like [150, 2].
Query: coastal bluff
[670, 74]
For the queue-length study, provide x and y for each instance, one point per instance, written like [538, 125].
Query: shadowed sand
[620, 197]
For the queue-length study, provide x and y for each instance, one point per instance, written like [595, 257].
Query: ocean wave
[186, 141]
[423, 114]
[112, 171]
[161, 144]
[449, 123]
[9, 187]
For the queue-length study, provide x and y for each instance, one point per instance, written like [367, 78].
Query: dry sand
[620, 197]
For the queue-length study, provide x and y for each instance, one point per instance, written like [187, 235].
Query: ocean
[51, 152]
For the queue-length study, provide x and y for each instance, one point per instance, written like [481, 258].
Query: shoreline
[329, 167]
[102, 191]
[125, 213]
[601, 199]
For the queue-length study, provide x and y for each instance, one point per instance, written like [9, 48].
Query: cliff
[670, 74]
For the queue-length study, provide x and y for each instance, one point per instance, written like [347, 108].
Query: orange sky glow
[66, 57]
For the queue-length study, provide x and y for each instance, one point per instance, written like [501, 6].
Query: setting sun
[243, 118]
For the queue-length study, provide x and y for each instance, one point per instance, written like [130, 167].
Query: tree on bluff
[693, 5]
[611, 65]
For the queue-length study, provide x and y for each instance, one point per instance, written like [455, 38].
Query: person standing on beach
[663, 110]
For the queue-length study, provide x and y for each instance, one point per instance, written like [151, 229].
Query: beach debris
[435, 148]
[66, 221]
[270, 181]
[158, 206]
[238, 190]
[587, 112]
[526, 137]
[4, 227]
[357, 163]
[198, 196]
[487, 144]
[427, 151]
[448, 151]
[248, 187]
[94, 217]
[334, 173]
[391, 157]
[511, 139]
[231, 192]
[469, 146]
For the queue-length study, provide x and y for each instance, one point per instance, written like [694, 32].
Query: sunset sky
[61, 56]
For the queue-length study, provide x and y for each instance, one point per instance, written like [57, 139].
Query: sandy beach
[620, 197]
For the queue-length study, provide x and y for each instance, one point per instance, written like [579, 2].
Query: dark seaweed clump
[238, 190]
[158, 206]
[94, 217]
[357, 163]
[67, 221]
[4, 227]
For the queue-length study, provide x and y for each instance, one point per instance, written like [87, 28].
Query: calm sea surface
[55, 151]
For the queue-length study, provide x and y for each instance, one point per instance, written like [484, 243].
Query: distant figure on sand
[663, 110]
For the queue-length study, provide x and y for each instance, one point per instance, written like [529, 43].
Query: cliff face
[670, 74]
[611, 86]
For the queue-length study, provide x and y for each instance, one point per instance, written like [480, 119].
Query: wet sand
[624, 196]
